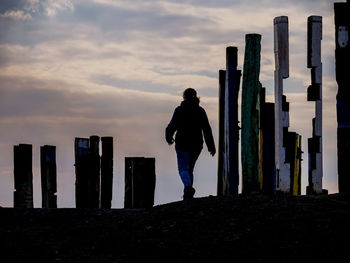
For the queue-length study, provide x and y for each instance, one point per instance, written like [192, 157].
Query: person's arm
[208, 135]
[171, 128]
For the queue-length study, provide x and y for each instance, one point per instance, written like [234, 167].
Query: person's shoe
[188, 192]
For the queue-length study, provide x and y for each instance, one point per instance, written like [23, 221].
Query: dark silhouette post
[23, 175]
[267, 145]
[81, 172]
[250, 135]
[342, 63]
[106, 172]
[48, 176]
[231, 129]
[94, 172]
[140, 181]
[221, 152]
[314, 93]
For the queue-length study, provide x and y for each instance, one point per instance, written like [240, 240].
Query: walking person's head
[190, 95]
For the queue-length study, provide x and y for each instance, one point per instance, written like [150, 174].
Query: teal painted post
[250, 114]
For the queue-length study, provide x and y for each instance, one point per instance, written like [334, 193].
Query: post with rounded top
[250, 142]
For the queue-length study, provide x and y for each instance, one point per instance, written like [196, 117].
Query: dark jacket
[190, 122]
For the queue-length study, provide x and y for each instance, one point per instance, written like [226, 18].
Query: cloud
[16, 15]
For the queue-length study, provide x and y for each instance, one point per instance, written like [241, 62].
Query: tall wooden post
[231, 133]
[94, 172]
[314, 93]
[81, 172]
[140, 180]
[342, 61]
[48, 176]
[267, 145]
[281, 50]
[106, 172]
[293, 157]
[23, 175]
[220, 183]
[250, 115]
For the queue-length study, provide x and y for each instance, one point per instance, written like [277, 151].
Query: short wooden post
[293, 156]
[94, 172]
[231, 129]
[48, 176]
[81, 172]
[106, 172]
[281, 50]
[221, 152]
[23, 176]
[342, 58]
[267, 146]
[140, 180]
[250, 141]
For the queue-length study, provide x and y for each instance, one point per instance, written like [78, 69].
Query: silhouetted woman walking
[190, 122]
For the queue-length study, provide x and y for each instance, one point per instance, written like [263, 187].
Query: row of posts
[93, 174]
[271, 155]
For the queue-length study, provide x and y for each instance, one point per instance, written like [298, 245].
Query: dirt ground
[211, 229]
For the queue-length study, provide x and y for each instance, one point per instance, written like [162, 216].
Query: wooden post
[94, 172]
[281, 50]
[81, 172]
[314, 93]
[140, 180]
[250, 115]
[267, 144]
[222, 79]
[293, 156]
[342, 58]
[23, 175]
[48, 176]
[231, 129]
[106, 172]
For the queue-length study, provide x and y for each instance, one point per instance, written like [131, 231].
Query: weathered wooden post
[106, 172]
[267, 145]
[314, 93]
[81, 149]
[281, 50]
[94, 172]
[342, 61]
[48, 176]
[293, 157]
[23, 175]
[231, 129]
[222, 79]
[250, 135]
[140, 181]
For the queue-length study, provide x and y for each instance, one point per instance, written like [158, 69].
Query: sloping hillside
[211, 229]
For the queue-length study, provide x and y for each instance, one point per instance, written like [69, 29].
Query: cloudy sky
[75, 68]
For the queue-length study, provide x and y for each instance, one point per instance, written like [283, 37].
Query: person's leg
[183, 164]
[193, 159]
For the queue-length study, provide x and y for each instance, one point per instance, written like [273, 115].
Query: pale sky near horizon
[75, 68]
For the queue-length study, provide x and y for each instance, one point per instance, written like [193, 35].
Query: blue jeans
[185, 163]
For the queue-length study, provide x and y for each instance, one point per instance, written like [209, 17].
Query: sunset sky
[75, 68]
